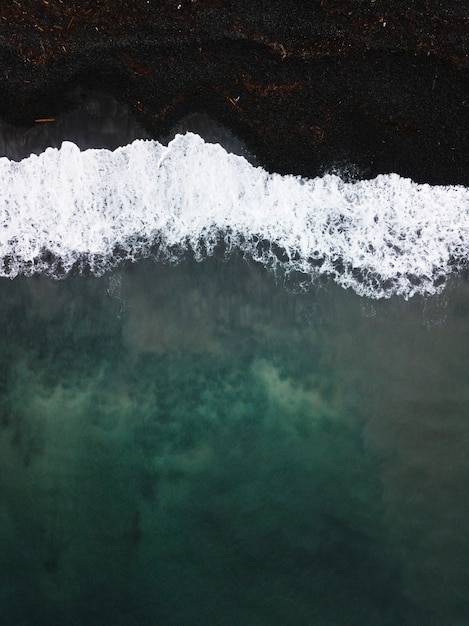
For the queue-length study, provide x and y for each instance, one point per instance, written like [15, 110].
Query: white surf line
[382, 236]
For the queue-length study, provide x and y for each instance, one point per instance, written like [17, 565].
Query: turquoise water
[199, 444]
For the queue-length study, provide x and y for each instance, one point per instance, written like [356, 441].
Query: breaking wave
[65, 211]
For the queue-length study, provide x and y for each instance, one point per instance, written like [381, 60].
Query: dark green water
[197, 445]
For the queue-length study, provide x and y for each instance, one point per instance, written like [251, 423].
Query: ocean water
[228, 397]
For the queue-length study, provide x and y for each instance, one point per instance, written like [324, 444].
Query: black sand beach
[380, 85]
[211, 426]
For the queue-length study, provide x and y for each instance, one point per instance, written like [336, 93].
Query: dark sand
[309, 86]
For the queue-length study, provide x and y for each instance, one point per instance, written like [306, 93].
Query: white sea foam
[64, 210]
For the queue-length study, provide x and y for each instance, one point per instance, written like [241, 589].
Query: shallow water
[196, 444]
